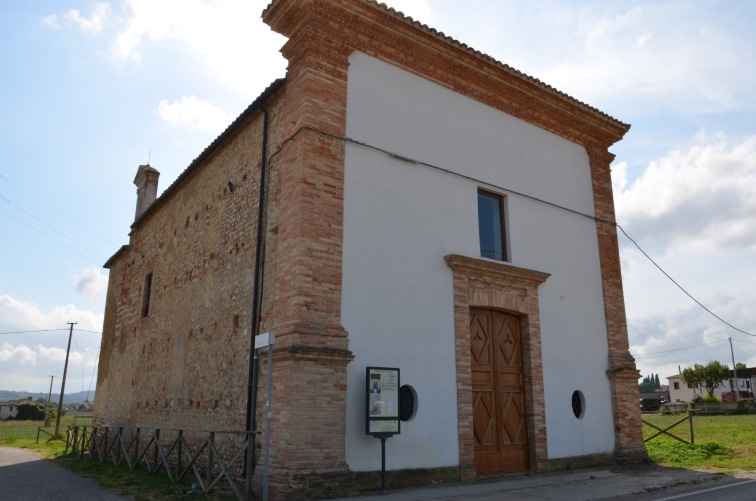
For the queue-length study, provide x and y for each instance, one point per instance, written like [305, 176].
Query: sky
[90, 90]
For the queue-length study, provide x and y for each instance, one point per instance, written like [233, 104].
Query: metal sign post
[261, 341]
[382, 409]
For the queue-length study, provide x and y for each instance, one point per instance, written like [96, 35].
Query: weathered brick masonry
[185, 363]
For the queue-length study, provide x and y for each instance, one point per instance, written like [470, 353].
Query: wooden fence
[665, 431]
[210, 458]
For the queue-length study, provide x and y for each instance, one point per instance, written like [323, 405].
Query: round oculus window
[407, 403]
[578, 404]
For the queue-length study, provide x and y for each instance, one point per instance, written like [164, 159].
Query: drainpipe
[257, 289]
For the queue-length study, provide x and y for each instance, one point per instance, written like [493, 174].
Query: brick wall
[185, 364]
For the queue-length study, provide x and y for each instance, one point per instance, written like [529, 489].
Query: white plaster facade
[402, 218]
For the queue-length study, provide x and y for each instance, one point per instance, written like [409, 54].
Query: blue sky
[90, 90]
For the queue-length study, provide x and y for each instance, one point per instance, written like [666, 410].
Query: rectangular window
[677, 386]
[146, 295]
[491, 226]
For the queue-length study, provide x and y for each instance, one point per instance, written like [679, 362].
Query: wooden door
[499, 421]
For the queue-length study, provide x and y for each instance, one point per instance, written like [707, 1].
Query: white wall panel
[401, 219]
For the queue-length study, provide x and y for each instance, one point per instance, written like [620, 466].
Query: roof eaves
[207, 152]
[509, 69]
[112, 259]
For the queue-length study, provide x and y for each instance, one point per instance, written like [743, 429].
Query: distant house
[679, 391]
[8, 410]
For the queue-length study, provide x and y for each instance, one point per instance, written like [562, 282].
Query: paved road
[740, 490]
[26, 476]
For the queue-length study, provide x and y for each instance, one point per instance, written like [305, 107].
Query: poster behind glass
[382, 391]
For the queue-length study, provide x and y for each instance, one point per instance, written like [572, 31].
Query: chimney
[146, 182]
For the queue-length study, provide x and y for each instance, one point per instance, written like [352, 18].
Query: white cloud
[28, 358]
[20, 354]
[96, 21]
[694, 211]
[702, 197]
[193, 113]
[73, 18]
[645, 37]
[91, 282]
[51, 21]
[647, 53]
[26, 368]
[664, 55]
[665, 341]
[20, 315]
[225, 37]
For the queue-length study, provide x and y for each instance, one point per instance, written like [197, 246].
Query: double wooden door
[499, 420]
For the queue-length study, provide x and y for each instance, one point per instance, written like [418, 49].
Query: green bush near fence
[722, 442]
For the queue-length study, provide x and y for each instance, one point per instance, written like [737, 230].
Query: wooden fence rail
[665, 431]
[210, 458]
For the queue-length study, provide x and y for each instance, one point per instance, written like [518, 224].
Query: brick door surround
[484, 284]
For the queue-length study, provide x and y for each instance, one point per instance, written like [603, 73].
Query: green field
[722, 443]
[23, 434]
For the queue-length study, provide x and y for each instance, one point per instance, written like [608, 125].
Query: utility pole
[49, 395]
[63, 384]
[734, 372]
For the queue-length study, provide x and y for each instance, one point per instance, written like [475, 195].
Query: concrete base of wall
[347, 483]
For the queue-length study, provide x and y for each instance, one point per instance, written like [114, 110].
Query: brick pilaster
[622, 373]
[311, 354]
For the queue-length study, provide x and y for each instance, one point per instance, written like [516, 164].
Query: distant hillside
[68, 398]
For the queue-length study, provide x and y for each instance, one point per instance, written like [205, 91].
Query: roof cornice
[530, 97]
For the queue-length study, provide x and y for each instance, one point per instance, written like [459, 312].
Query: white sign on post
[267, 339]
[264, 339]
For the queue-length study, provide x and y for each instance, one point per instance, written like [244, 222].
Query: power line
[46, 235]
[94, 368]
[681, 287]
[91, 332]
[678, 349]
[58, 211]
[94, 253]
[82, 349]
[744, 342]
[31, 332]
[413, 161]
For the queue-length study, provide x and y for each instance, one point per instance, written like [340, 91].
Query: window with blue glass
[491, 226]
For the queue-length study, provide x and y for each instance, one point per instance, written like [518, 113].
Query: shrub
[746, 406]
[650, 404]
[675, 452]
[709, 400]
[31, 411]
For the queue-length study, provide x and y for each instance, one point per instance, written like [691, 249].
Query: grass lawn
[722, 443]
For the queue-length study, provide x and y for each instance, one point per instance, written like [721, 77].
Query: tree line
[650, 383]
